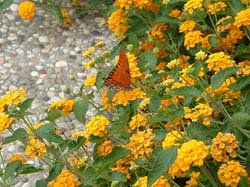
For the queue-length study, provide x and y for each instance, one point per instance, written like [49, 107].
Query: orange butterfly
[119, 77]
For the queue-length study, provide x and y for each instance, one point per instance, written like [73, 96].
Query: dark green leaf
[241, 118]
[27, 168]
[5, 4]
[154, 103]
[19, 134]
[75, 145]
[147, 60]
[164, 159]
[47, 131]
[117, 176]
[41, 183]
[237, 5]
[26, 104]
[218, 78]
[212, 41]
[56, 11]
[54, 114]
[55, 171]
[80, 108]
[11, 168]
[241, 83]
[186, 91]
[132, 39]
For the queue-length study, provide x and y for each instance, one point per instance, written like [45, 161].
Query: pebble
[43, 39]
[14, 7]
[61, 64]
[34, 73]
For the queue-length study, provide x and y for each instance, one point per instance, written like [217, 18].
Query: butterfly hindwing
[119, 77]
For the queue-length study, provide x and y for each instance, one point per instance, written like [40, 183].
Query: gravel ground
[41, 57]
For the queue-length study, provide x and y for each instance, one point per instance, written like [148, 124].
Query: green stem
[208, 175]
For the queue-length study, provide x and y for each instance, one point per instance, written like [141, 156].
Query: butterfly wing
[119, 77]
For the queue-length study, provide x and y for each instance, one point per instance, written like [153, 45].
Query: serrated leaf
[11, 168]
[54, 114]
[80, 108]
[55, 171]
[5, 4]
[27, 168]
[41, 183]
[19, 134]
[148, 60]
[218, 78]
[47, 131]
[26, 104]
[188, 91]
[164, 159]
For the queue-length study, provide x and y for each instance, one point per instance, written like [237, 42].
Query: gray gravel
[41, 57]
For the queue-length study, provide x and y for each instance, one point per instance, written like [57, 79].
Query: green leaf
[147, 60]
[27, 168]
[154, 103]
[186, 91]
[212, 41]
[56, 11]
[241, 83]
[164, 159]
[47, 131]
[75, 145]
[99, 80]
[241, 118]
[54, 114]
[117, 176]
[55, 171]
[132, 39]
[11, 168]
[237, 5]
[5, 4]
[79, 11]
[80, 108]
[26, 104]
[19, 134]
[218, 78]
[41, 183]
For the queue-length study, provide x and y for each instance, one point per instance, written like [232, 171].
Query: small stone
[77, 49]
[81, 75]
[39, 81]
[1, 60]
[50, 94]
[43, 39]
[14, 7]
[61, 64]
[34, 73]
[11, 17]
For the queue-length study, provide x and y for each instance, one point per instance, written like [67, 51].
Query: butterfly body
[119, 77]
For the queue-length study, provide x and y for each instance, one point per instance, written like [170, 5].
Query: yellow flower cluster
[89, 64]
[5, 121]
[161, 182]
[35, 148]
[191, 153]
[217, 7]
[175, 13]
[245, 67]
[139, 120]
[65, 105]
[194, 180]
[191, 5]
[242, 18]
[124, 97]
[18, 157]
[14, 96]
[105, 101]
[66, 17]
[187, 26]
[172, 139]
[88, 52]
[90, 81]
[192, 38]
[77, 161]
[140, 144]
[230, 173]
[199, 112]
[26, 10]
[134, 70]
[143, 105]
[105, 148]
[146, 5]
[117, 23]
[65, 179]
[97, 126]
[224, 145]
[218, 61]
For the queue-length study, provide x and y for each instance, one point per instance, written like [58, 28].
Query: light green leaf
[47, 131]
[80, 108]
[55, 171]
[5, 4]
[164, 159]
[19, 134]
[186, 91]
[218, 78]
[147, 60]
[11, 168]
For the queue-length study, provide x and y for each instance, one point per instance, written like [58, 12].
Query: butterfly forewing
[119, 77]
